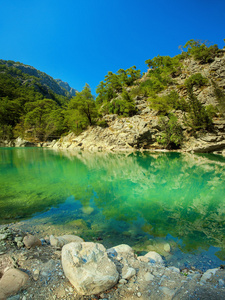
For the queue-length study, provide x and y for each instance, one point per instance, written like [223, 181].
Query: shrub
[195, 80]
[102, 123]
[167, 103]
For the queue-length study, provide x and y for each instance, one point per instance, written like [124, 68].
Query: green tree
[171, 132]
[85, 105]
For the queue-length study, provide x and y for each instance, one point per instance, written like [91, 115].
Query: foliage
[166, 104]
[220, 96]
[82, 110]
[198, 116]
[44, 120]
[102, 123]
[171, 132]
[195, 80]
[28, 108]
[200, 51]
[114, 83]
[122, 106]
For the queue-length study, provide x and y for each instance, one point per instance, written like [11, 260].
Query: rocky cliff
[142, 130]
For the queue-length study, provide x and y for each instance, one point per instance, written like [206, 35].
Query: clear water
[145, 200]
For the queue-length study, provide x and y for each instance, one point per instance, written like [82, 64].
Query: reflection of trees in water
[180, 194]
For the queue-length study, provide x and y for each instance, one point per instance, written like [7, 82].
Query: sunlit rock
[60, 241]
[88, 267]
[31, 241]
[11, 282]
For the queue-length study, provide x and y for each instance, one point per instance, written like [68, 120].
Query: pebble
[123, 281]
[221, 282]
[18, 239]
[139, 294]
[3, 236]
[148, 276]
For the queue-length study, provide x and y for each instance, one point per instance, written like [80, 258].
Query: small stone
[20, 244]
[60, 241]
[18, 239]
[31, 241]
[36, 274]
[221, 282]
[167, 291]
[127, 273]
[149, 277]
[154, 257]
[139, 294]
[123, 281]
[3, 236]
[174, 269]
[167, 247]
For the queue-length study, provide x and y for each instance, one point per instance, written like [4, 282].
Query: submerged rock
[88, 267]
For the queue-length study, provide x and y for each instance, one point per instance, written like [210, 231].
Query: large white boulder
[88, 267]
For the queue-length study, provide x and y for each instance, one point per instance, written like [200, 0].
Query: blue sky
[80, 41]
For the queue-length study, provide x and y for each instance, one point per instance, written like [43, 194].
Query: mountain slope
[32, 77]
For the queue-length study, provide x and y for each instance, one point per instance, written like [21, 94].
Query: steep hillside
[178, 104]
[31, 103]
[31, 77]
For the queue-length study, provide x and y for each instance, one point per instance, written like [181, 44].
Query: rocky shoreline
[46, 268]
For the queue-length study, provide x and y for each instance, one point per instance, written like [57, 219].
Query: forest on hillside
[35, 112]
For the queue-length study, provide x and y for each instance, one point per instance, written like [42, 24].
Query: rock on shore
[86, 270]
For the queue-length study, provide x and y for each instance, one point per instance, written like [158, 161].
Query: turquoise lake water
[145, 200]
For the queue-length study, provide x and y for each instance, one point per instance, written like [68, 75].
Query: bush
[102, 123]
[195, 80]
[165, 104]
[199, 50]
